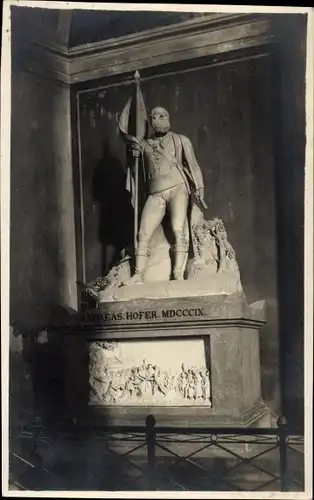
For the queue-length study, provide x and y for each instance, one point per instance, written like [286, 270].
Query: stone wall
[42, 234]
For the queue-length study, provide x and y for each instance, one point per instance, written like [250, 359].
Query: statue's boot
[180, 250]
[179, 264]
[140, 267]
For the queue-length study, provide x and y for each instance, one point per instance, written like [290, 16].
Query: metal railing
[151, 457]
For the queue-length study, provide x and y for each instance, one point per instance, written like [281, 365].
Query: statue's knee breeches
[153, 213]
[178, 205]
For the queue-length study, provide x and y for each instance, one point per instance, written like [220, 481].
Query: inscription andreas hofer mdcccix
[143, 315]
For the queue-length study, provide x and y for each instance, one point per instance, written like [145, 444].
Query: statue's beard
[161, 127]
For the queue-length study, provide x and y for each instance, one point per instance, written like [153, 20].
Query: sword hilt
[202, 202]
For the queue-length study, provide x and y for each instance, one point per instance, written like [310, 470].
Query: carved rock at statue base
[212, 271]
[203, 285]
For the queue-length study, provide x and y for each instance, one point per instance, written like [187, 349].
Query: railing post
[151, 442]
[283, 434]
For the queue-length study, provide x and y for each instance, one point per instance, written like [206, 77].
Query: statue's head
[160, 120]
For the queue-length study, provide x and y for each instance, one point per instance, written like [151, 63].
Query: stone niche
[187, 361]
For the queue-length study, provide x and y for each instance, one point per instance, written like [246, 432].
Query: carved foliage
[212, 246]
[117, 275]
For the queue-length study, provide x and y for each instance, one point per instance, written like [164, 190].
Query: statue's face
[160, 120]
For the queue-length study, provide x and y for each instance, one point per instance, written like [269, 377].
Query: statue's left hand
[199, 196]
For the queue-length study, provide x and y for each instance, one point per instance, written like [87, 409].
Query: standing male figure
[172, 175]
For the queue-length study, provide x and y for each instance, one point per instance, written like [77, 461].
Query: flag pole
[136, 161]
[133, 125]
[136, 154]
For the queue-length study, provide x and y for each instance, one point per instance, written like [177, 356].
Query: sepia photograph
[156, 250]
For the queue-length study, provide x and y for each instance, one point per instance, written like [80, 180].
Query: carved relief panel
[155, 372]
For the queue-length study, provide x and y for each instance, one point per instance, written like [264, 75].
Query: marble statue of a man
[172, 176]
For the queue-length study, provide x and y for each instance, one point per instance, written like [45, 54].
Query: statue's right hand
[135, 144]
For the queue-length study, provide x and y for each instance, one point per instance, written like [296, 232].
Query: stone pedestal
[187, 361]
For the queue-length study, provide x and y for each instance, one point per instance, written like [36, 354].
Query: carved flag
[133, 123]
